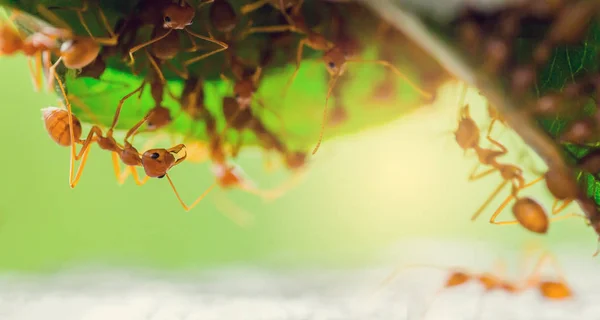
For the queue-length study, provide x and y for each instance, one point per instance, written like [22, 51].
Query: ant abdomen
[56, 121]
[79, 52]
[555, 290]
[10, 40]
[561, 184]
[531, 215]
[157, 162]
[222, 16]
[166, 48]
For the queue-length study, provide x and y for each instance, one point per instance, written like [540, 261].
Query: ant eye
[154, 155]
[331, 65]
[237, 95]
[167, 19]
[161, 176]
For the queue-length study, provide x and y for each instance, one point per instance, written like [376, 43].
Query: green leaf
[296, 117]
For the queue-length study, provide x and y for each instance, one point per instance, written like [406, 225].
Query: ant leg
[271, 29]
[557, 209]
[276, 114]
[83, 154]
[285, 187]
[223, 45]
[245, 9]
[324, 121]
[52, 17]
[421, 92]
[35, 75]
[156, 67]
[474, 176]
[232, 211]
[499, 210]
[181, 73]
[238, 145]
[489, 199]
[203, 3]
[145, 44]
[190, 207]
[70, 117]
[301, 45]
[120, 105]
[534, 277]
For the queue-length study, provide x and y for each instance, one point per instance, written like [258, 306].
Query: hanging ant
[178, 16]
[528, 212]
[75, 52]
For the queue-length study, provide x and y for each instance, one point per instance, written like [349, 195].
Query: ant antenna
[324, 121]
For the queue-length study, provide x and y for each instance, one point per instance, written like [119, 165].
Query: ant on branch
[527, 211]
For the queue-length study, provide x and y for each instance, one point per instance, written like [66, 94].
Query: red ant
[557, 289]
[75, 52]
[335, 57]
[527, 211]
[178, 16]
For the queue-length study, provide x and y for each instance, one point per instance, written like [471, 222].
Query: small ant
[75, 52]
[553, 290]
[178, 16]
[57, 122]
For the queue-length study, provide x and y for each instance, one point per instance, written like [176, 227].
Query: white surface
[246, 293]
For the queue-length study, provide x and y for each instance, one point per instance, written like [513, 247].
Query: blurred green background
[363, 193]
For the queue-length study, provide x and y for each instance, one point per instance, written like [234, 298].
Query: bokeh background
[391, 195]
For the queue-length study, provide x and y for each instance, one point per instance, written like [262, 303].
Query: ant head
[159, 117]
[157, 162]
[243, 91]
[335, 61]
[56, 121]
[457, 278]
[79, 52]
[130, 156]
[177, 16]
[531, 215]
[555, 290]
[295, 160]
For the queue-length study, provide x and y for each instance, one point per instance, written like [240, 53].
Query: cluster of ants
[169, 19]
[492, 39]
